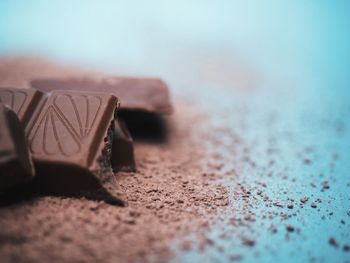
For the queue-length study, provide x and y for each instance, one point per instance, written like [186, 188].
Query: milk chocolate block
[137, 94]
[22, 101]
[16, 165]
[70, 139]
[123, 150]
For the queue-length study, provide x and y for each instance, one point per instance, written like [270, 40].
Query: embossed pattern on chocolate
[65, 123]
[22, 101]
[71, 139]
[14, 98]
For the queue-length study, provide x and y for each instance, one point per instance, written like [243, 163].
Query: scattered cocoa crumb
[249, 217]
[278, 204]
[307, 161]
[248, 242]
[273, 229]
[185, 245]
[332, 242]
[234, 258]
[346, 248]
[325, 185]
[290, 228]
[304, 200]
[313, 205]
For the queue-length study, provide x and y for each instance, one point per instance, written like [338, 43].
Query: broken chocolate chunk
[123, 150]
[70, 135]
[16, 165]
[70, 139]
[137, 94]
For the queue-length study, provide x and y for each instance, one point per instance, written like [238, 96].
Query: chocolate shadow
[145, 126]
[69, 181]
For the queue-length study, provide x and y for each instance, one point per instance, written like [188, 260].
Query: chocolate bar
[16, 165]
[136, 94]
[122, 151]
[70, 137]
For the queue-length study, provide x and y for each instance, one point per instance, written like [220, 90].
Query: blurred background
[289, 58]
[240, 43]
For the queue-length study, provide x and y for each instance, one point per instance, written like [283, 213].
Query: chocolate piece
[70, 139]
[123, 150]
[70, 136]
[15, 160]
[144, 94]
[22, 101]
